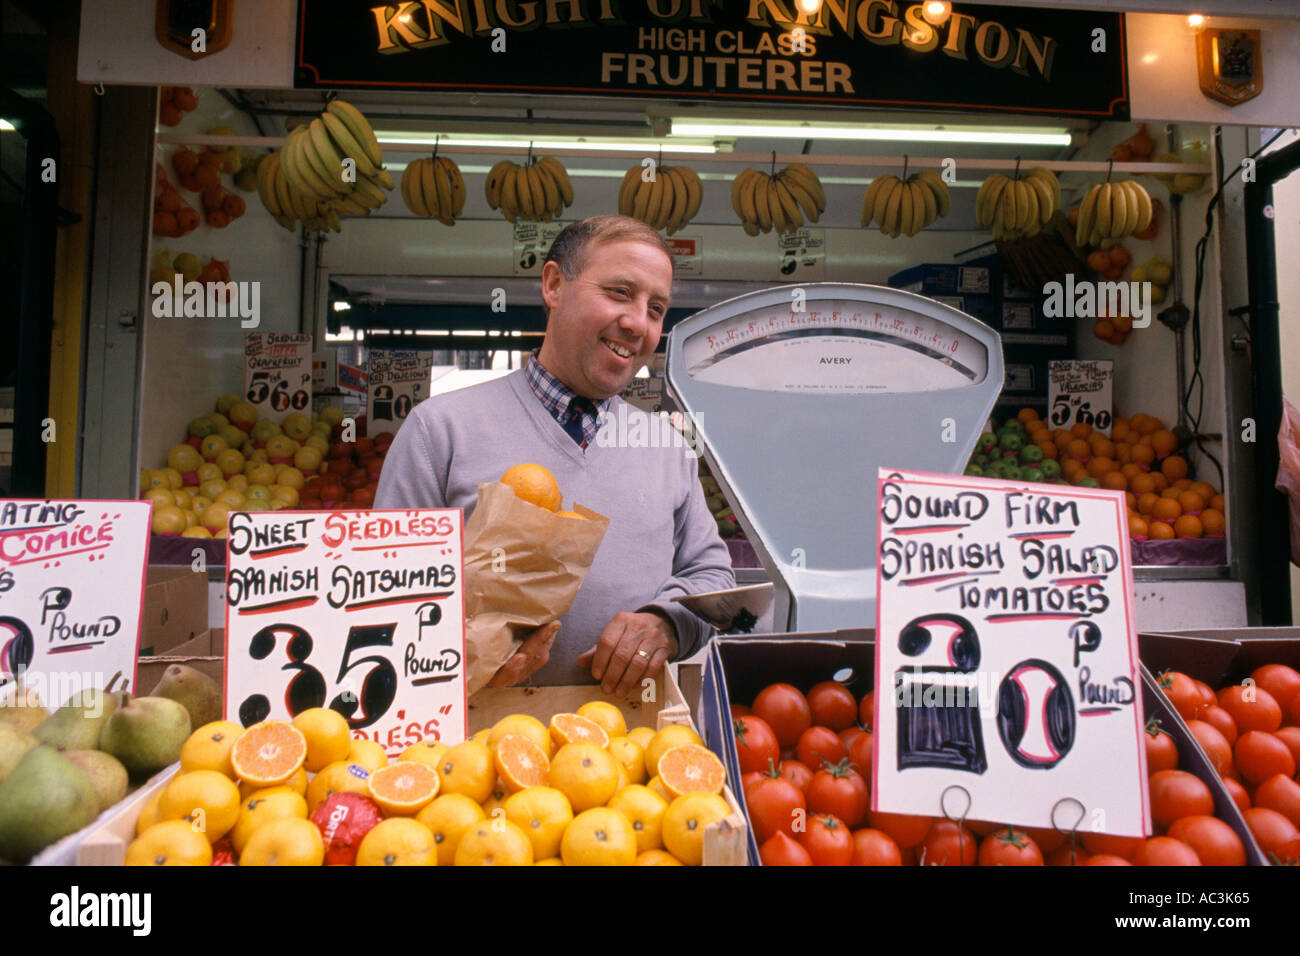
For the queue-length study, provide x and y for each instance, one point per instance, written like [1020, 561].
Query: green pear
[192, 689]
[146, 734]
[106, 774]
[45, 798]
[23, 711]
[78, 723]
[14, 745]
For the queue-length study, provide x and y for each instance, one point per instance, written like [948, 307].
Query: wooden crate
[106, 845]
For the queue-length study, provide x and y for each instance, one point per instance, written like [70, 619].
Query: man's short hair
[570, 248]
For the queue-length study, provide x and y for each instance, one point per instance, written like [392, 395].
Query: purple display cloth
[743, 554]
[1181, 552]
[165, 550]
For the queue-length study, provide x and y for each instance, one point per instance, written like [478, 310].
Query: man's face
[605, 323]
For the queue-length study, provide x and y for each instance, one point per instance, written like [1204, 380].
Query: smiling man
[606, 285]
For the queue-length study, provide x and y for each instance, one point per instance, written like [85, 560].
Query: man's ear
[552, 282]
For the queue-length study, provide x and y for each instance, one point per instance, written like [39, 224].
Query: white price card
[1006, 655]
[688, 255]
[277, 373]
[803, 254]
[399, 379]
[360, 611]
[1079, 392]
[532, 244]
[71, 592]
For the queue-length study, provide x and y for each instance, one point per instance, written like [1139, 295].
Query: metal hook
[99, 88]
[904, 178]
[1110, 165]
[436, 140]
[530, 152]
[773, 164]
[1074, 827]
[1016, 175]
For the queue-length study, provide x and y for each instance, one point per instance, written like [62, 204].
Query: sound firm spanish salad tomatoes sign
[277, 373]
[71, 592]
[1006, 655]
[360, 611]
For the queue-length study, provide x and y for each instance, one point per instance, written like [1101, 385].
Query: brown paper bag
[523, 568]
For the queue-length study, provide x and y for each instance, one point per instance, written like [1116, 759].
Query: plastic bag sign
[360, 611]
[1006, 656]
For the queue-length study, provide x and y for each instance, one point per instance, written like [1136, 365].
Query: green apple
[1031, 453]
[1050, 468]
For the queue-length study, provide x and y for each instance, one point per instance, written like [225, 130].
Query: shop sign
[398, 381]
[1007, 672]
[881, 53]
[688, 255]
[277, 373]
[1229, 65]
[71, 593]
[359, 611]
[647, 393]
[194, 28]
[802, 254]
[532, 244]
[1079, 393]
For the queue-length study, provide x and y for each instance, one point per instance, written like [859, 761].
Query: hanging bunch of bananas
[905, 207]
[538, 192]
[1113, 211]
[434, 187]
[310, 179]
[1018, 207]
[781, 201]
[668, 200]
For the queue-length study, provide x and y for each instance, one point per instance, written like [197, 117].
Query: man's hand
[632, 646]
[532, 655]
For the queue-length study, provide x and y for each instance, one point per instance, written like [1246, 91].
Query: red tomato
[1288, 854]
[1182, 693]
[828, 841]
[948, 845]
[1176, 794]
[1214, 744]
[1162, 752]
[755, 744]
[908, 854]
[786, 711]
[1165, 851]
[867, 710]
[905, 829]
[1009, 847]
[774, 805]
[780, 850]
[1271, 830]
[1221, 721]
[1252, 708]
[832, 705]
[798, 774]
[817, 744]
[1105, 859]
[1067, 855]
[1281, 794]
[1106, 844]
[1260, 755]
[1279, 680]
[1292, 713]
[1049, 839]
[860, 754]
[1238, 793]
[981, 828]
[1208, 698]
[850, 734]
[1291, 737]
[839, 791]
[739, 710]
[875, 848]
[1215, 843]
[749, 779]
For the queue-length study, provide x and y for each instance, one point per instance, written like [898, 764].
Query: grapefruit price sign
[71, 594]
[360, 611]
[1006, 655]
[277, 373]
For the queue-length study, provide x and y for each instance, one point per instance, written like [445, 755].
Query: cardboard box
[328, 374]
[175, 607]
[205, 652]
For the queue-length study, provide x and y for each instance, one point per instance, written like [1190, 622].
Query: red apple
[358, 479]
[363, 497]
[383, 440]
[364, 446]
[374, 466]
[194, 441]
[339, 450]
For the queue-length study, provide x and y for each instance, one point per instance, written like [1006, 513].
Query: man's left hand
[634, 645]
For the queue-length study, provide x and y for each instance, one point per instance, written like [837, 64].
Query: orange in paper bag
[534, 484]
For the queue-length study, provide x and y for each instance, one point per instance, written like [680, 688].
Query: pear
[146, 734]
[78, 723]
[45, 798]
[14, 745]
[23, 711]
[106, 774]
[194, 690]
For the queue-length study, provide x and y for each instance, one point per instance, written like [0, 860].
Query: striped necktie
[578, 407]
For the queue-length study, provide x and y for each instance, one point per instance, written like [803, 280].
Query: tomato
[749, 779]
[1289, 736]
[828, 841]
[1216, 843]
[739, 710]
[875, 848]
[817, 744]
[1279, 680]
[1105, 859]
[1251, 708]
[1208, 698]
[908, 855]
[832, 705]
[1010, 847]
[1067, 855]
[867, 711]
[1165, 851]
[780, 850]
[797, 773]
[1106, 844]
[1271, 830]
[1214, 744]
[1292, 713]
[1238, 793]
[755, 744]
[840, 791]
[981, 828]
[947, 844]
[1260, 755]
[774, 804]
[850, 734]
[1049, 839]
[860, 754]
[786, 711]
[1288, 854]
[1222, 721]
[1281, 794]
[907, 830]
[1162, 752]
[1182, 693]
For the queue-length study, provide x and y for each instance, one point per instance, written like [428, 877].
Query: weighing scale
[798, 395]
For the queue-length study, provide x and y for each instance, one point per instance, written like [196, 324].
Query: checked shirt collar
[559, 399]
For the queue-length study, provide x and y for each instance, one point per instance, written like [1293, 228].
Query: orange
[530, 727]
[1049, 449]
[1142, 454]
[268, 753]
[674, 735]
[1119, 428]
[289, 841]
[1150, 425]
[1163, 441]
[1102, 446]
[1072, 470]
[1123, 324]
[149, 813]
[341, 777]
[1183, 484]
[273, 803]
[404, 788]
[1079, 450]
[645, 810]
[630, 757]
[1141, 483]
[685, 821]
[586, 774]
[691, 769]
[1166, 509]
[447, 818]
[1213, 521]
[1100, 466]
[1202, 488]
[483, 736]
[366, 753]
[494, 843]
[1146, 502]
[467, 768]
[1027, 415]
[327, 734]
[543, 814]
[1061, 437]
[575, 729]
[1218, 504]
[1160, 530]
[1135, 422]
[1172, 491]
[297, 783]
[657, 786]
[1161, 481]
[1131, 500]
[641, 736]
[534, 484]
[208, 748]
[1131, 471]
[1190, 501]
[399, 841]
[1174, 467]
[657, 858]
[599, 837]
[1103, 330]
[607, 715]
[1137, 526]
[553, 861]
[1114, 480]
[1081, 430]
[173, 843]
[1124, 453]
[496, 800]
[428, 751]
[1189, 526]
[1098, 261]
[207, 800]
[520, 763]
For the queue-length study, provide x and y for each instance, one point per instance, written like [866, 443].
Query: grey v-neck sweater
[662, 541]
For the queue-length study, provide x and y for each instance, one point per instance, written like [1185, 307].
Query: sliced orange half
[268, 754]
[576, 729]
[521, 763]
[403, 788]
[691, 768]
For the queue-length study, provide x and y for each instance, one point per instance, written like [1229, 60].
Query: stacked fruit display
[174, 103]
[905, 208]
[164, 267]
[666, 200]
[584, 791]
[1018, 207]
[434, 188]
[172, 215]
[1113, 211]
[538, 192]
[764, 202]
[728, 526]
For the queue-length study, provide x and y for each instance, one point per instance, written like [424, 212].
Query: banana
[410, 175]
[328, 161]
[524, 194]
[509, 195]
[627, 190]
[674, 209]
[889, 221]
[655, 202]
[458, 190]
[803, 199]
[283, 195]
[750, 227]
[1043, 195]
[748, 207]
[551, 190]
[368, 194]
[265, 191]
[1142, 199]
[1104, 211]
[360, 129]
[695, 194]
[492, 185]
[1049, 177]
[561, 177]
[808, 179]
[939, 189]
[289, 169]
[350, 207]
[1087, 213]
[987, 200]
[541, 208]
[880, 201]
[761, 204]
[385, 179]
[928, 199]
[348, 145]
[789, 206]
[1119, 211]
[904, 211]
[781, 221]
[442, 183]
[1028, 197]
[302, 157]
[869, 199]
[641, 201]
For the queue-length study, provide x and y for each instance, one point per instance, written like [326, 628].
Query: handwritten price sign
[359, 611]
[1006, 655]
[277, 373]
[1078, 392]
[71, 591]
[399, 380]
